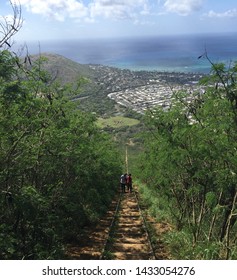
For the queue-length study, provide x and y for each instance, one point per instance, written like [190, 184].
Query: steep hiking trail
[124, 233]
[130, 239]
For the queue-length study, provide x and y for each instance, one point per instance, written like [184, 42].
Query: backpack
[122, 179]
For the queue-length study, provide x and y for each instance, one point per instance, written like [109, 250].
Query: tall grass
[156, 205]
[179, 242]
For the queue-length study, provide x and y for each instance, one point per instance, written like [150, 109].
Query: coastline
[205, 69]
[157, 53]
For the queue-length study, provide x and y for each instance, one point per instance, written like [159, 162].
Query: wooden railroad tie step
[121, 234]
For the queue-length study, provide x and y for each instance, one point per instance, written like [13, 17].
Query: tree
[190, 157]
[58, 171]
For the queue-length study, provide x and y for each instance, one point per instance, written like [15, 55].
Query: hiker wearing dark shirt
[129, 183]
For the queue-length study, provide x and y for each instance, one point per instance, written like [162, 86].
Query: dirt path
[128, 239]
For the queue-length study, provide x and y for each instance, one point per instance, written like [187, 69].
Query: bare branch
[10, 25]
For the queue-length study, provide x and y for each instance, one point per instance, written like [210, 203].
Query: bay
[161, 53]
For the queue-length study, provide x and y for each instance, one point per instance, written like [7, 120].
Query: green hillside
[89, 79]
[95, 82]
[64, 69]
[52, 156]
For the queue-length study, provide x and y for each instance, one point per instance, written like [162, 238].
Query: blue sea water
[161, 53]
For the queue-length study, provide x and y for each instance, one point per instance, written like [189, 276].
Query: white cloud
[56, 9]
[118, 9]
[145, 22]
[113, 9]
[183, 7]
[228, 14]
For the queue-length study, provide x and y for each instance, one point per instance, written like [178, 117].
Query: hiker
[129, 182]
[123, 182]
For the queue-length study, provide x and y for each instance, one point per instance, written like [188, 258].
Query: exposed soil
[128, 239]
[93, 239]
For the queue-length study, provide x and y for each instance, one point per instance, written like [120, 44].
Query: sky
[79, 19]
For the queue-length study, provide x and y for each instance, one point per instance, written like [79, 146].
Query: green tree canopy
[190, 157]
[58, 171]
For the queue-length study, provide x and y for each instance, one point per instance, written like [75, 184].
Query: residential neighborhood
[140, 90]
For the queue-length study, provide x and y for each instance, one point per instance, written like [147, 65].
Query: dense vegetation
[190, 167]
[55, 163]
[58, 170]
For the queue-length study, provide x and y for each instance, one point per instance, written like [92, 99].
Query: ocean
[161, 53]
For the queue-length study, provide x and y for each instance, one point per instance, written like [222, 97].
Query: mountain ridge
[66, 69]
